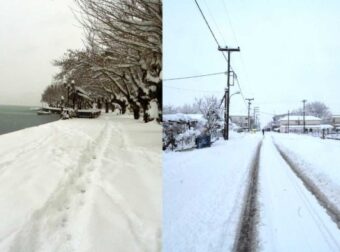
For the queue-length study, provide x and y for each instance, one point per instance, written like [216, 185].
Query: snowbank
[81, 185]
[317, 158]
[203, 194]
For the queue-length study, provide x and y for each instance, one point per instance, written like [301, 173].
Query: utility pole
[304, 116]
[226, 112]
[288, 122]
[256, 110]
[249, 103]
[227, 92]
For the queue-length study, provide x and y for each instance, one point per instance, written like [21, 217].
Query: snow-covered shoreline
[82, 185]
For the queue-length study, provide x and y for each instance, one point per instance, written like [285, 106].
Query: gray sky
[290, 50]
[32, 34]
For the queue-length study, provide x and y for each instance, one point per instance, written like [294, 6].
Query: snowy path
[291, 219]
[78, 185]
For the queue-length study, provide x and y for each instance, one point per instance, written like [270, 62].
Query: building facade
[336, 122]
[295, 123]
[241, 121]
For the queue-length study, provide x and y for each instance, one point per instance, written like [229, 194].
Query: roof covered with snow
[319, 126]
[298, 117]
[183, 117]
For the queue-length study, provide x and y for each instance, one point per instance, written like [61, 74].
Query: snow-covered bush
[181, 130]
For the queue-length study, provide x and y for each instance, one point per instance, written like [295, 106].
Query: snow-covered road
[81, 185]
[207, 193]
[203, 194]
[291, 219]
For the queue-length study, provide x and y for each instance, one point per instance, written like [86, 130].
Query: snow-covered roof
[319, 126]
[298, 117]
[238, 116]
[326, 126]
[81, 90]
[183, 117]
[85, 96]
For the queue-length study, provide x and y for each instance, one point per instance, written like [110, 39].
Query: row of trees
[121, 62]
[317, 109]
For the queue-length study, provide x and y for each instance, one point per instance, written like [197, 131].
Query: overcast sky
[290, 50]
[32, 34]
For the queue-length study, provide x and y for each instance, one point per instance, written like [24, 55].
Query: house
[241, 121]
[295, 123]
[335, 121]
[275, 124]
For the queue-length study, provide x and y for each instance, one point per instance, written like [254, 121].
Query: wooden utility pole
[256, 110]
[288, 122]
[227, 93]
[304, 116]
[249, 103]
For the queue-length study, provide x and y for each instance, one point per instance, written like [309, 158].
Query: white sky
[32, 34]
[290, 50]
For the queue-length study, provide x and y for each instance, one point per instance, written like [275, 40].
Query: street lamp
[227, 98]
[74, 93]
[62, 103]
[304, 115]
[238, 92]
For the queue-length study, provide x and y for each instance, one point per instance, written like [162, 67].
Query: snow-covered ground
[204, 195]
[291, 219]
[318, 159]
[203, 192]
[81, 185]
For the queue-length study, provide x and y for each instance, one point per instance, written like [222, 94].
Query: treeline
[315, 108]
[121, 63]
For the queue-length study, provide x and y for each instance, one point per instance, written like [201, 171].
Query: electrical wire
[212, 33]
[197, 90]
[214, 21]
[236, 40]
[194, 76]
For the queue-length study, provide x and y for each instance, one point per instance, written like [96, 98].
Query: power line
[214, 21]
[236, 40]
[239, 87]
[212, 33]
[197, 90]
[194, 76]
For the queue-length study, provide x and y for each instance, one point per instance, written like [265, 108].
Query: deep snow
[316, 158]
[81, 185]
[203, 193]
[291, 219]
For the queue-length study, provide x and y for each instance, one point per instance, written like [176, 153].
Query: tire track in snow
[290, 211]
[330, 207]
[246, 235]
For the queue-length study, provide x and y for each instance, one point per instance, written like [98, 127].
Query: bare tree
[209, 107]
[318, 109]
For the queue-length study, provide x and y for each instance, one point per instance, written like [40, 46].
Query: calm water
[14, 118]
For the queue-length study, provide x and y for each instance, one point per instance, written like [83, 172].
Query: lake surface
[14, 118]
